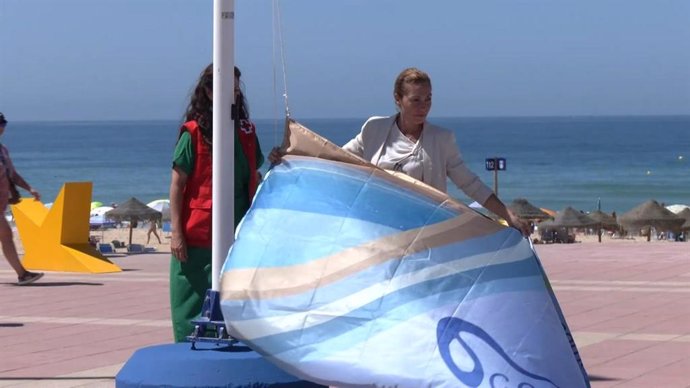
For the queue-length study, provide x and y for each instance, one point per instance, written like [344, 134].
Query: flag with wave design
[346, 275]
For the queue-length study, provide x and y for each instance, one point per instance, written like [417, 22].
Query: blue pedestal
[177, 365]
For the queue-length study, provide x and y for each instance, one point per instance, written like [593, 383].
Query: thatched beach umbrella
[604, 221]
[677, 208]
[133, 211]
[525, 210]
[571, 218]
[551, 213]
[685, 214]
[568, 218]
[651, 214]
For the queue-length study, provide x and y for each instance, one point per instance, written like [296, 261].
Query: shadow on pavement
[601, 378]
[57, 284]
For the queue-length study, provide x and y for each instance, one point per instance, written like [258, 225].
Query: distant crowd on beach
[649, 220]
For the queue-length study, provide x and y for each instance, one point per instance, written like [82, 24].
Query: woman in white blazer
[407, 142]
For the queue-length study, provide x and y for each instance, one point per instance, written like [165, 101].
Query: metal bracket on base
[210, 326]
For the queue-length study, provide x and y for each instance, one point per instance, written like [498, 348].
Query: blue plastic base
[177, 365]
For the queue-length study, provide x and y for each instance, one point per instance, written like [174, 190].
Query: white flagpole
[223, 135]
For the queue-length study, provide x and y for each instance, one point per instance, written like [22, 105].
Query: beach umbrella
[571, 218]
[651, 214]
[163, 206]
[525, 210]
[568, 218]
[604, 221]
[677, 208]
[101, 210]
[96, 204]
[551, 213]
[98, 219]
[133, 211]
[685, 214]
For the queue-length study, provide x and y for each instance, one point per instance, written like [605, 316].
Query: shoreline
[139, 236]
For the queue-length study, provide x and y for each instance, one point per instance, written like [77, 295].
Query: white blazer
[440, 155]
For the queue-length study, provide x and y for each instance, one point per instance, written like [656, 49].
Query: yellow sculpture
[57, 239]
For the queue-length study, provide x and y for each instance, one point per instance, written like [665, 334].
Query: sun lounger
[105, 248]
[135, 248]
[119, 245]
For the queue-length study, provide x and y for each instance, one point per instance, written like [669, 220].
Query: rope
[279, 41]
[282, 56]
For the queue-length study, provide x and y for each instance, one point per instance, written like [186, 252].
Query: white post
[223, 135]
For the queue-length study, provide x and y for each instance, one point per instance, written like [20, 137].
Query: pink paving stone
[78, 335]
[655, 381]
[649, 360]
[627, 323]
[605, 354]
[586, 321]
[670, 321]
[44, 333]
[612, 377]
[142, 293]
[679, 324]
[674, 375]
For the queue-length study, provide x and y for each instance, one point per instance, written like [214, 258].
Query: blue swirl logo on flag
[347, 275]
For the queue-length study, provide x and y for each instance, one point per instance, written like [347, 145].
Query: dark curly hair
[200, 105]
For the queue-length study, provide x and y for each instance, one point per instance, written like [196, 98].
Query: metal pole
[496, 176]
[223, 135]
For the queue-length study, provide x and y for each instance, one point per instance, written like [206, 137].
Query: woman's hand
[178, 246]
[36, 194]
[498, 208]
[276, 156]
[518, 223]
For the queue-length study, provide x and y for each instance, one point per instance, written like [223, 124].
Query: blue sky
[138, 59]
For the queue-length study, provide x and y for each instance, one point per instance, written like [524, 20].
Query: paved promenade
[627, 303]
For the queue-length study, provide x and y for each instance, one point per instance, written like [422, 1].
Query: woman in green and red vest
[190, 197]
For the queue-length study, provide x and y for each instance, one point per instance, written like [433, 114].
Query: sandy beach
[139, 236]
[606, 239]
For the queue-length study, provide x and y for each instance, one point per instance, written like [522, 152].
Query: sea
[612, 163]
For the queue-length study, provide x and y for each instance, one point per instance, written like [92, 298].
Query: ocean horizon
[553, 161]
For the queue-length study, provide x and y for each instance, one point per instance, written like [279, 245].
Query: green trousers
[188, 284]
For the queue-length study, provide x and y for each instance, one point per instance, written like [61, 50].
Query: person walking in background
[9, 177]
[153, 228]
[190, 196]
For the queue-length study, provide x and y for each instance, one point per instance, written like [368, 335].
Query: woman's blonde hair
[411, 75]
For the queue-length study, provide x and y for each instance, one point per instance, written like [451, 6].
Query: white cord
[279, 40]
[282, 56]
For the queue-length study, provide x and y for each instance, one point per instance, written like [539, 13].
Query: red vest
[196, 205]
[197, 201]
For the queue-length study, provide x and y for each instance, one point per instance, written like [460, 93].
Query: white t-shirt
[402, 154]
